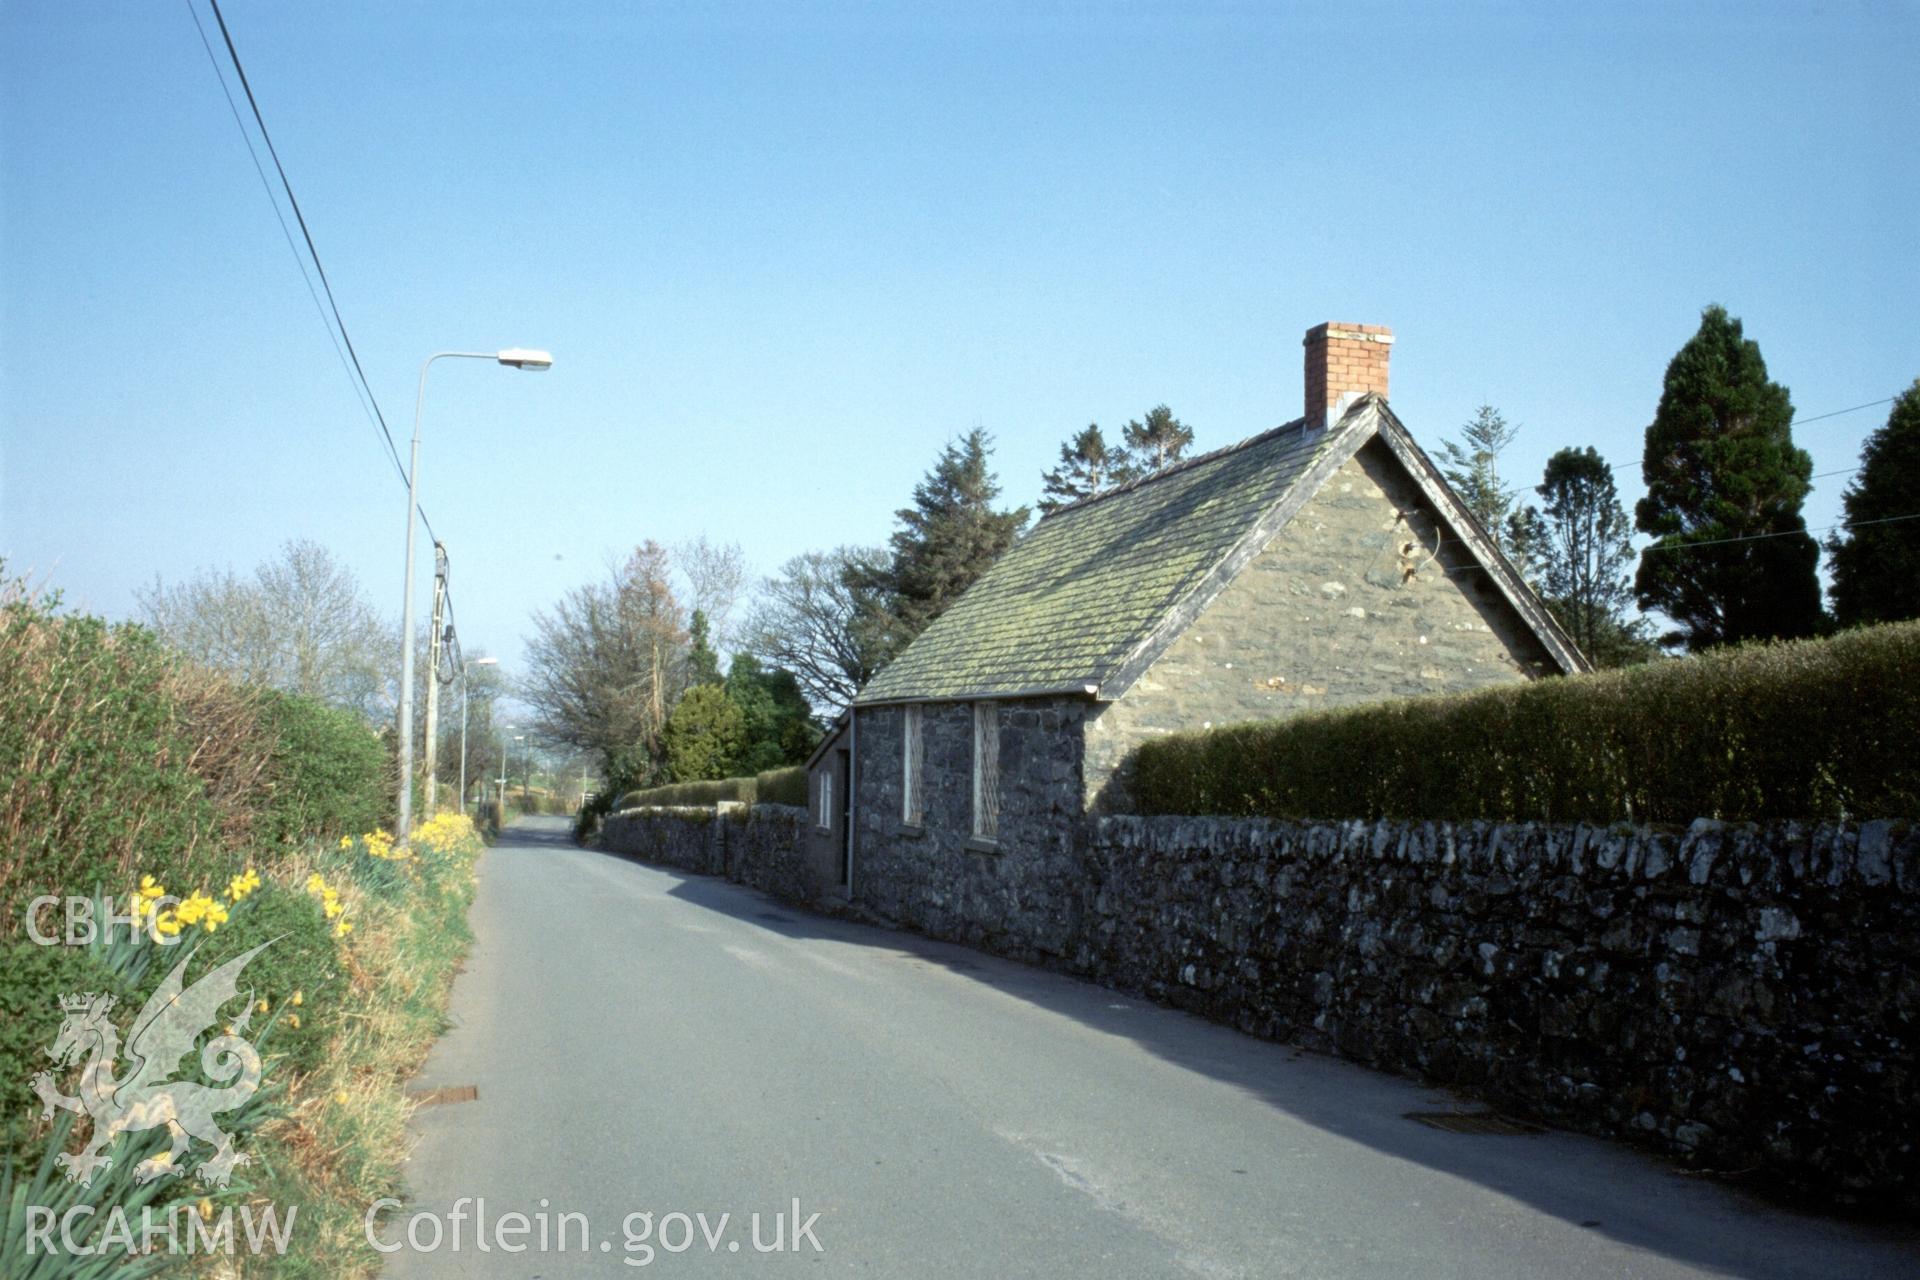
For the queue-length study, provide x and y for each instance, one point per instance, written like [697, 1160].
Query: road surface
[645, 1041]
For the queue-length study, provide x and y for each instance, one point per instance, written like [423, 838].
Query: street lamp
[512, 357]
[466, 694]
[526, 766]
[505, 729]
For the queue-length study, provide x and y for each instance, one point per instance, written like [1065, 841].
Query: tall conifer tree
[1732, 559]
[1876, 561]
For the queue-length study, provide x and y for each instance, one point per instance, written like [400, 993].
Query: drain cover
[440, 1097]
[1476, 1122]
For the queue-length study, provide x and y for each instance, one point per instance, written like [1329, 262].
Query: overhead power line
[1688, 546]
[1796, 422]
[306, 276]
[357, 375]
[305, 234]
[1787, 533]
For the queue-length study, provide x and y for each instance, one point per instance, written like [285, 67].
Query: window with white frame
[826, 800]
[913, 755]
[986, 770]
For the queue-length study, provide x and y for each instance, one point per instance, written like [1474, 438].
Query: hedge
[783, 786]
[1815, 729]
[120, 757]
[775, 786]
[327, 775]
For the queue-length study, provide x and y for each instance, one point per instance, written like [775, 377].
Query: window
[986, 770]
[912, 773]
[826, 800]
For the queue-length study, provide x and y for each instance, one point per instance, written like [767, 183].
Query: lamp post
[505, 729]
[512, 357]
[466, 694]
[526, 766]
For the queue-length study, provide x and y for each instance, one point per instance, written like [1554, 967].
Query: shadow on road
[1598, 1185]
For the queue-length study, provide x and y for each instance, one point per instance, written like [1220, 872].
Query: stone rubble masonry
[1018, 895]
[1362, 596]
[763, 846]
[1742, 997]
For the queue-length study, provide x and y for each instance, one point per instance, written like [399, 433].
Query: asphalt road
[645, 1041]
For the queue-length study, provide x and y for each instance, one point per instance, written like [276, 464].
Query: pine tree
[1580, 544]
[949, 537]
[1876, 567]
[1472, 466]
[703, 664]
[1088, 468]
[1720, 464]
[1158, 442]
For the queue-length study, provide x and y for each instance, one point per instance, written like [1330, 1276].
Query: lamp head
[486, 662]
[526, 358]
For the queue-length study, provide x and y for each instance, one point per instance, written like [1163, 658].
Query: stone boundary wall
[1746, 998]
[763, 847]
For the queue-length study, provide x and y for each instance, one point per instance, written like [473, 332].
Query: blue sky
[783, 253]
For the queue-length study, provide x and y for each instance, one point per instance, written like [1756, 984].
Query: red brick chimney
[1344, 361]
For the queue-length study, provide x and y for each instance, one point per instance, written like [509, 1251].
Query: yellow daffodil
[293, 1020]
[206, 1207]
[242, 885]
[342, 929]
[298, 999]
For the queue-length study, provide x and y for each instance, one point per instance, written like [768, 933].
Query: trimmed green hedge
[775, 786]
[783, 786]
[1808, 729]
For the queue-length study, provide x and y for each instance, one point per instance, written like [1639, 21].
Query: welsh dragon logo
[161, 1036]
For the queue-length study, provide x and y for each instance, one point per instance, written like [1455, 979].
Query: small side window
[986, 771]
[825, 806]
[912, 770]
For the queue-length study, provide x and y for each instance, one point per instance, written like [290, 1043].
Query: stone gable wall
[1362, 596]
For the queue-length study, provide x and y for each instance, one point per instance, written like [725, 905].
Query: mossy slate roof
[1074, 597]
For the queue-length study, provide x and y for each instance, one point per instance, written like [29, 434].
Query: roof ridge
[1185, 464]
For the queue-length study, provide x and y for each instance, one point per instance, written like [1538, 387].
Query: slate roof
[1069, 601]
[1085, 600]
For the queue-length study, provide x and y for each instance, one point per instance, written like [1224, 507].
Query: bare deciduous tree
[808, 619]
[716, 574]
[603, 665]
[300, 622]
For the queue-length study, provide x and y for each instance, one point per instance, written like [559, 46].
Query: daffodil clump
[198, 908]
[377, 843]
[330, 903]
[447, 833]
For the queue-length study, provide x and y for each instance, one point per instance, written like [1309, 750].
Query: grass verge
[342, 1139]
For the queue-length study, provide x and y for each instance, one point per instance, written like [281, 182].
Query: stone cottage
[1320, 564]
